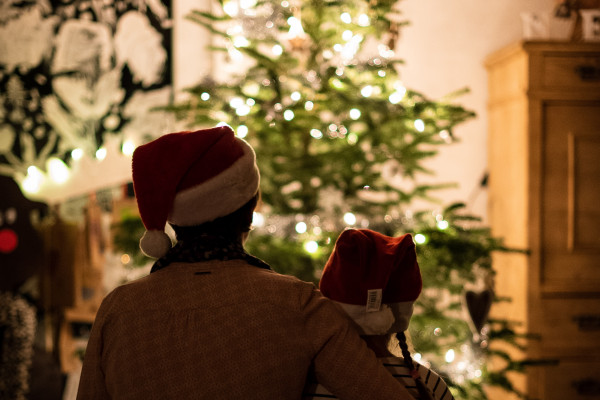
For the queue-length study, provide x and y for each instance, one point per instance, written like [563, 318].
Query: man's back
[223, 330]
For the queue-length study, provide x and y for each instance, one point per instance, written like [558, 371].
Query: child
[376, 279]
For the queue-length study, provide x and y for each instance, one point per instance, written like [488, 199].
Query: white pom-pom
[155, 244]
[370, 323]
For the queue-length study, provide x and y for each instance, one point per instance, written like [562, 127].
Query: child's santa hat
[188, 178]
[375, 278]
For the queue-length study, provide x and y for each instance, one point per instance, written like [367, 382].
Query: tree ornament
[478, 305]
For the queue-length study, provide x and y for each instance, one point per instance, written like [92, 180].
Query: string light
[311, 246]
[301, 227]
[355, 113]
[363, 20]
[33, 181]
[295, 96]
[443, 224]
[128, 148]
[231, 8]
[349, 218]
[288, 115]
[277, 50]
[317, 134]
[205, 96]
[346, 18]
[449, 356]
[308, 106]
[57, 170]
[419, 125]
[420, 238]
[76, 154]
[242, 131]
[101, 153]
[367, 91]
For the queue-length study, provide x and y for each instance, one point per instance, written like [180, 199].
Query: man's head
[375, 278]
[191, 178]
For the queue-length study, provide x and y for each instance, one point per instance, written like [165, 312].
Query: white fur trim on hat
[155, 244]
[390, 318]
[220, 195]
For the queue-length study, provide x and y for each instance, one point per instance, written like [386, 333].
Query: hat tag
[374, 300]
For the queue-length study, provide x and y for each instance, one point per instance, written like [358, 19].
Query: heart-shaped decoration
[478, 305]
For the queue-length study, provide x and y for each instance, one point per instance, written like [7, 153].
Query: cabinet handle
[587, 387]
[588, 72]
[587, 322]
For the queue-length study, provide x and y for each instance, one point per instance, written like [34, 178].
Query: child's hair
[424, 391]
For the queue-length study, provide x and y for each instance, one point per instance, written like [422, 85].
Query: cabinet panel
[571, 71]
[570, 209]
[569, 327]
[572, 380]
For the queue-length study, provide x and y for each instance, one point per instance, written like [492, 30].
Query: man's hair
[231, 225]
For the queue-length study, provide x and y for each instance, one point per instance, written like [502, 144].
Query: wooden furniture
[544, 196]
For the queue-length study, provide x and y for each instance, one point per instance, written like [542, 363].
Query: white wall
[444, 49]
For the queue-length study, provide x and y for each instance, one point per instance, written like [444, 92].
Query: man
[211, 321]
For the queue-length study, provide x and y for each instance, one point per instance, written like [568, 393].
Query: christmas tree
[315, 87]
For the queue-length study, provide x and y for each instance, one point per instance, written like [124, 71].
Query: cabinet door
[570, 207]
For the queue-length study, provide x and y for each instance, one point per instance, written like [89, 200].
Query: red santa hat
[188, 178]
[375, 278]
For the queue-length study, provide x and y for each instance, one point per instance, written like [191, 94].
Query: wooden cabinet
[544, 196]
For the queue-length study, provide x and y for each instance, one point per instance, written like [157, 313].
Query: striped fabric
[395, 365]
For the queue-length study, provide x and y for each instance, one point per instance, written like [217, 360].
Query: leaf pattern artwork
[69, 71]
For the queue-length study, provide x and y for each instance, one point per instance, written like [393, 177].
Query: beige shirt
[225, 330]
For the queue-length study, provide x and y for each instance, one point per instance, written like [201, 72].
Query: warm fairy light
[288, 115]
[350, 218]
[363, 20]
[101, 153]
[337, 83]
[236, 102]
[125, 259]
[295, 96]
[258, 220]
[381, 73]
[419, 125]
[231, 8]
[385, 51]
[352, 138]
[296, 29]
[309, 105]
[311, 246]
[240, 41]
[449, 356]
[277, 50]
[250, 102]
[346, 18]
[397, 95]
[128, 148]
[317, 134]
[205, 96]
[420, 238]
[235, 54]
[327, 54]
[57, 170]
[355, 113]
[445, 135]
[76, 154]
[367, 91]
[246, 4]
[301, 227]
[242, 131]
[443, 224]
[243, 110]
[33, 180]
[417, 357]
[347, 35]
[338, 47]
